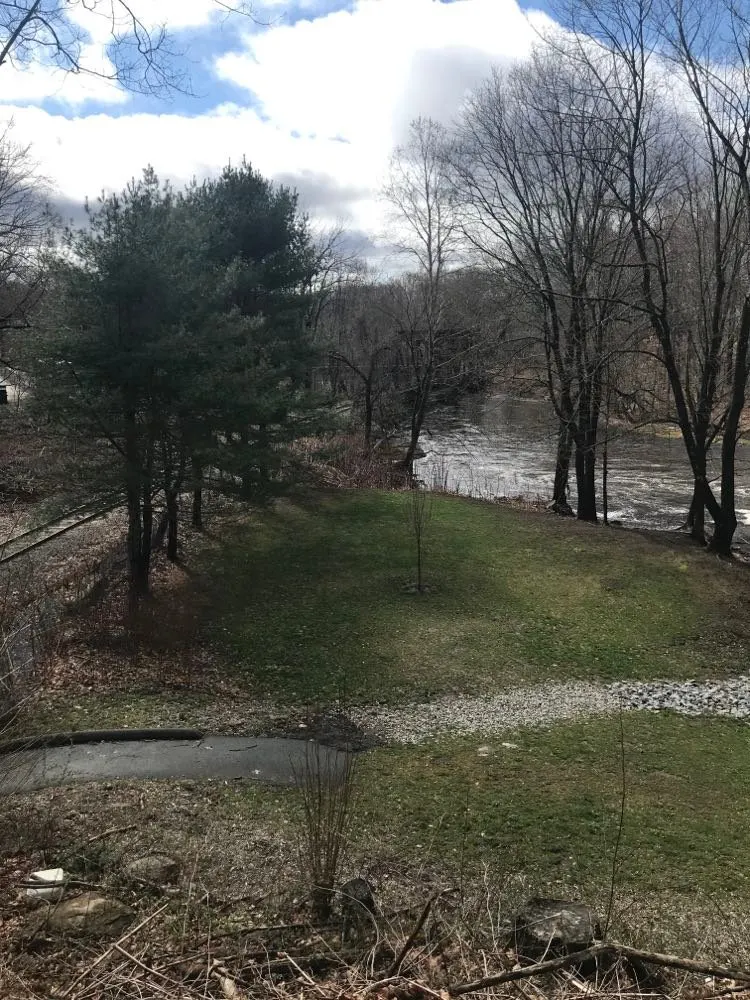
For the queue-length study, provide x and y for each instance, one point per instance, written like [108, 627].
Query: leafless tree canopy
[54, 32]
[24, 229]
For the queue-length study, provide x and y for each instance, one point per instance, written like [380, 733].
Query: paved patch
[271, 760]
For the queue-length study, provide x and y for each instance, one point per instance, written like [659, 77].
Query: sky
[314, 93]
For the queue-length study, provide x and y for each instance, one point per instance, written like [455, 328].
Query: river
[503, 446]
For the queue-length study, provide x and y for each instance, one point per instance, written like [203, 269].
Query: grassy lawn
[548, 802]
[306, 603]
[542, 814]
[310, 601]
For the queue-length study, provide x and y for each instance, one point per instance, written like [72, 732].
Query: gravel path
[548, 703]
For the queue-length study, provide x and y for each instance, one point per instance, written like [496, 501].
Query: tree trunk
[560, 504]
[172, 511]
[726, 527]
[419, 411]
[137, 584]
[197, 475]
[696, 519]
[148, 527]
[368, 412]
[246, 485]
[586, 480]
[137, 581]
[605, 478]
[264, 469]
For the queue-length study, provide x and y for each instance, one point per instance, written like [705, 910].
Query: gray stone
[90, 914]
[554, 927]
[157, 869]
[357, 904]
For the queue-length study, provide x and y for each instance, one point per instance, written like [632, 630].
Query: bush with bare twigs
[326, 782]
[345, 462]
[419, 512]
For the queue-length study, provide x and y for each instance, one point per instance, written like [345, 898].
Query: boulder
[357, 905]
[157, 869]
[554, 927]
[91, 914]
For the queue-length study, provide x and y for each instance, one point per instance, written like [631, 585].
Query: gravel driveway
[548, 703]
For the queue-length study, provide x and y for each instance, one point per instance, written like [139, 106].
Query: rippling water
[505, 446]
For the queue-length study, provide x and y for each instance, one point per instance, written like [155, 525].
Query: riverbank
[505, 446]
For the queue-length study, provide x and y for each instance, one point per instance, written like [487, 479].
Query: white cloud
[176, 14]
[87, 153]
[350, 72]
[347, 83]
[37, 83]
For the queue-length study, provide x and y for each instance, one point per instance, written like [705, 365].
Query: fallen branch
[412, 937]
[87, 971]
[239, 931]
[578, 957]
[308, 979]
[379, 984]
[146, 968]
[108, 833]
[687, 964]
[538, 969]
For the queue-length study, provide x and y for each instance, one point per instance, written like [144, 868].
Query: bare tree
[360, 337]
[333, 266]
[24, 230]
[53, 32]
[419, 512]
[617, 41]
[536, 206]
[713, 49]
[428, 238]
[707, 251]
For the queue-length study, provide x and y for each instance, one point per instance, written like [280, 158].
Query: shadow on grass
[309, 601]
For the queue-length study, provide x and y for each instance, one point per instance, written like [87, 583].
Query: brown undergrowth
[237, 922]
[345, 461]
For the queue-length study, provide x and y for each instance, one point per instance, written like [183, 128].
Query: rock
[158, 869]
[46, 885]
[554, 927]
[90, 914]
[357, 904]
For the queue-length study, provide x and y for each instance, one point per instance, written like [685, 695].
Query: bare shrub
[326, 782]
[419, 511]
[345, 462]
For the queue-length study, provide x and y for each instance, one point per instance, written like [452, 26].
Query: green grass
[545, 809]
[113, 710]
[310, 603]
[544, 813]
[550, 805]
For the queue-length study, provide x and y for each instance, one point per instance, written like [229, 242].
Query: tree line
[601, 188]
[583, 221]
